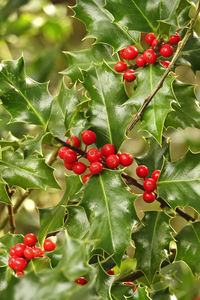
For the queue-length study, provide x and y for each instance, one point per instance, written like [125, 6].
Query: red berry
[149, 38]
[68, 166]
[70, 156]
[126, 159]
[86, 177]
[96, 167]
[150, 56]
[19, 264]
[111, 272]
[121, 53]
[61, 152]
[38, 252]
[149, 185]
[129, 75]
[107, 150]
[130, 52]
[93, 155]
[112, 161]
[12, 251]
[19, 249]
[75, 141]
[88, 137]
[155, 175]
[120, 66]
[140, 62]
[142, 171]
[20, 273]
[154, 43]
[165, 63]
[81, 280]
[30, 239]
[174, 39]
[79, 168]
[11, 262]
[149, 197]
[49, 245]
[29, 253]
[131, 283]
[166, 50]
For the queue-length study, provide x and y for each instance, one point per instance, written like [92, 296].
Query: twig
[78, 150]
[10, 210]
[181, 44]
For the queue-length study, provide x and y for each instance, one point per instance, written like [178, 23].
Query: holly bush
[130, 229]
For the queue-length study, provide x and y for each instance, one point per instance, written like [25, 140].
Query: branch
[78, 150]
[181, 45]
[10, 211]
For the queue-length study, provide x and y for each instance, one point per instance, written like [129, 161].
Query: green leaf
[178, 182]
[99, 24]
[38, 263]
[161, 295]
[154, 115]
[31, 172]
[152, 240]
[190, 54]
[186, 112]
[77, 224]
[3, 193]
[10, 7]
[32, 145]
[26, 100]
[188, 246]
[104, 283]
[140, 294]
[82, 60]
[112, 219]
[107, 115]
[121, 291]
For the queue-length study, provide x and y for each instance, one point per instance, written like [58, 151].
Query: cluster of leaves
[98, 222]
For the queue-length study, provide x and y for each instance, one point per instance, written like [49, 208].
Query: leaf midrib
[152, 242]
[147, 20]
[178, 180]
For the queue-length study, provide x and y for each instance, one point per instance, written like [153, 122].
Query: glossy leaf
[179, 182]
[104, 283]
[140, 294]
[156, 112]
[121, 291]
[32, 145]
[26, 100]
[38, 263]
[112, 219]
[107, 115]
[31, 172]
[188, 246]
[152, 243]
[77, 224]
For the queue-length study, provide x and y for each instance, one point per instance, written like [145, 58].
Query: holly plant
[127, 225]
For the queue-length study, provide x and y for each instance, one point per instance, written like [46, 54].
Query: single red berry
[129, 75]
[96, 167]
[149, 38]
[121, 53]
[70, 156]
[11, 262]
[126, 159]
[111, 272]
[49, 245]
[140, 62]
[130, 52]
[61, 152]
[150, 56]
[142, 171]
[154, 43]
[69, 166]
[38, 252]
[75, 141]
[19, 264]
[165, 63]
[120, 66]
[29, 253]
[112, 161]
[30, 239]
[93, 155]
[149, 185]
[86, 177]
[131, 283]
[149, 197]
[81, 280]
[12, 251]
[174, 39]
[166, 50]
[107, 150]
[19, 249]
[155, 175]
[88, 137]
[20, 273]
[79, 168]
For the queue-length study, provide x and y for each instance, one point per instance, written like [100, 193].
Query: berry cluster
[106, 157]
[22, 253]
[149, 56]
[149, 183]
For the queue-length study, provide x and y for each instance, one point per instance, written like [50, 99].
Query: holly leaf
[107, 115]
[31, 172]
[38, 263]
[77, 224]
[140, 294]
[161, 295]
[186, 111]
[190, 54]
[152, 240]
[179, 180]
[82, 60]
[6, 242]
[154, 115]
[25, 99]
[188, 246]
[104, 283]
[32, 145]
[3, 193]
[112, 219]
